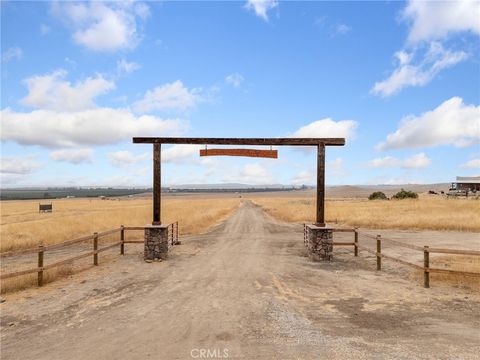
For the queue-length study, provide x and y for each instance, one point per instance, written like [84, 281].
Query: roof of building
[468, 179]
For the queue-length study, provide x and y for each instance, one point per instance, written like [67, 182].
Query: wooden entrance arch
[320, 143]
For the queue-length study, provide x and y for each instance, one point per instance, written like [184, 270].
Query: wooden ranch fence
[426, 250]
[41, 249]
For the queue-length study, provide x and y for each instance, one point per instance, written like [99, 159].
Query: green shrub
[405, 194]
[377, 195]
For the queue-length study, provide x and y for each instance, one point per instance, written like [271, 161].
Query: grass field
[22, 226]
[425, 213]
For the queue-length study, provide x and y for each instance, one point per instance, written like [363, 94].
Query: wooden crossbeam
[242, 141]
[272, 154]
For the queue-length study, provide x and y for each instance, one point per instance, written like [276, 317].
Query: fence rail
[426, 250]
[40, 250]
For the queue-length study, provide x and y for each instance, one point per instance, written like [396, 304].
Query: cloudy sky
[399, 80]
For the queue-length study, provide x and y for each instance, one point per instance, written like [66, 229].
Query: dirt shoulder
[247, 288]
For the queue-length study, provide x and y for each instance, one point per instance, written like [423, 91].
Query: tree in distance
[378, 195]
[405, 194]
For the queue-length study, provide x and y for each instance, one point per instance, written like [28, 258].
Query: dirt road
[245, 290]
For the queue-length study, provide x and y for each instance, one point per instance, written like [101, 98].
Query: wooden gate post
[379, 252]
[426, 267]
[41, 250]
[355, 244]
[157, 184]
[122, 239]
[320, 216]
[95, 248]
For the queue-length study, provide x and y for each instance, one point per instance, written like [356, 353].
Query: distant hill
[229, 186]
[389, 190]
[57, 193]
[339, 191]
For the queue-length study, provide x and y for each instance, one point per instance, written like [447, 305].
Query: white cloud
[334, 168]
[335, 164]
[234, 79]
[73, 156]
[431, 20]
[385, 162]
[13, 53]
[451, 123]
[304, 177]
[180, 153]
[327, 128]
[79, 128]
[70, 62]
[124, 158]
[19, 165]
[472, 164]
[261, 7]
[53, 92]
[396, 181]
[169, 96]
[188, 154]
[421, 73]
[341, 29]
[417, 161]
[125, 67]
[101, 26]
[251, 174]
[44, 29]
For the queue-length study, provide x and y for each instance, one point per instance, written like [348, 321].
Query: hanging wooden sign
[272, 154]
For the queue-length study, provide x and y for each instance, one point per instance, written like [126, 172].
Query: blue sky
[399, 80]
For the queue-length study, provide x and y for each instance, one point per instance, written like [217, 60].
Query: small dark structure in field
[45, 207]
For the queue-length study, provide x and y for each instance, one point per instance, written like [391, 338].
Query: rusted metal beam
[157, 184]
[320, 185]
[241, 141]
[273, 154]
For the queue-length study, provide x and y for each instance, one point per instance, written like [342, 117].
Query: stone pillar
[320, 243]
[156, 242]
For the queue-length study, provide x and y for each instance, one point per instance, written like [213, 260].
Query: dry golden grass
[22, 226]
[30, 280]
[425, 213]
[455, 262]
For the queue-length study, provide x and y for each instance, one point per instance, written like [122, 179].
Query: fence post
[379, 251]
[355, 245]
[173, 228]
[176, 232]
[95, 248]
[41, 250]
[426, 267]
[122, 239]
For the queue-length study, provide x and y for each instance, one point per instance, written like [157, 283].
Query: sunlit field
[425, 213]
[22, 226]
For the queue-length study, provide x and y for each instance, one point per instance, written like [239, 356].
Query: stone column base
[320, 243]
[156, 242]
